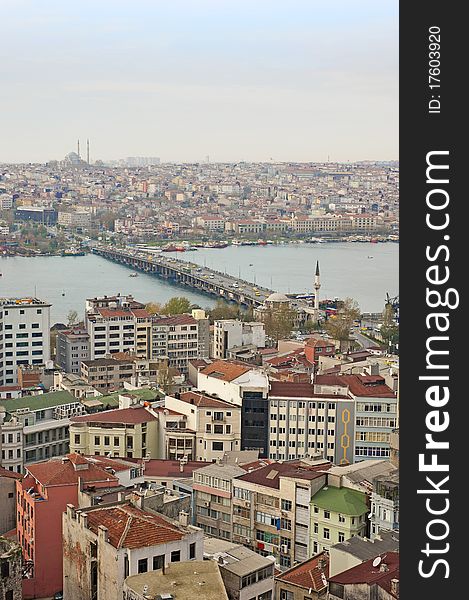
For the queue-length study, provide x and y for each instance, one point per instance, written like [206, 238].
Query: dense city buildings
[24, 335]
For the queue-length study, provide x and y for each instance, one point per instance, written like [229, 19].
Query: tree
[223, 310]
[338, 326]
[154, 308]
[176, 306]
[72, 318]
[165, 377]
[279, 322]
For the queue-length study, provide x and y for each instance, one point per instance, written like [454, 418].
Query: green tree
[154, 308]
[176, 306]
[223, 310]
[338, 326]
[165, 377]
[279, 322]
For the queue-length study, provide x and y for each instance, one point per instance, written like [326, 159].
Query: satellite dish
[377, 561]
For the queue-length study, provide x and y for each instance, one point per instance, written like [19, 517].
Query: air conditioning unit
[247, 503]
[284, 549]
[206, 503]
[248, 541]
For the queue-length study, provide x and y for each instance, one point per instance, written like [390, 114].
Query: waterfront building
[25, 326]
[72, 347]
[217, 424]
[108, 374]
[105, 545]
[176, 339]
[118, 324]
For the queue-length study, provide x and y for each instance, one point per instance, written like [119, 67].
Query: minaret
[78, 148]
[317, 287]
[88, 151]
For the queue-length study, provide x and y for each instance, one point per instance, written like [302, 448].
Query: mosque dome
[277, 298]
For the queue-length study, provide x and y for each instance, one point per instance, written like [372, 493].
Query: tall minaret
[88, 151]
[317, 287]
[78, 148]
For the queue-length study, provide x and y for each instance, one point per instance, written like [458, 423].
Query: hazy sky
[182, 79]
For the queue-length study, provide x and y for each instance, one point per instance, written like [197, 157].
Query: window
[191, 551]
[327, 514]
[158, 562]
[106, 440]
[175, 556]
[341, 519]
[116, 441]
[97, 440]
[217, 446]
[316, 528]
[286, 504]
[5, 571]
[326, 534]
[341, 536]
[286, 595]
[143, 565]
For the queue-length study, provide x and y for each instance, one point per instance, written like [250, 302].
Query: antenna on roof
[376, 561]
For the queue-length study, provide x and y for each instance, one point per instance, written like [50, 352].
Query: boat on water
[73, 252]
[133, 275]
[169, 248]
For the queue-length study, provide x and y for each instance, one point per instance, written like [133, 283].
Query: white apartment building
[231, 333]
[118, 324]
[24, 336]
[217, 424]
[176, 339]
[303, 423]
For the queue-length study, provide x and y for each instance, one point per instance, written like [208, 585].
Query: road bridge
[182, 272]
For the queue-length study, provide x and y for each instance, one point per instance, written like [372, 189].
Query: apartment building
[242, 386]
[36, 428]
[176, 340]
[217, 424]
[246, 574]
[41, 498]
[127, 432]
[72, 347]
[303, 423]
[271, 508]
[308, 580]
[337, 514]
[231, 333]
[24, 335]
[374, 411]
[74, 220]
[105, 545]
[7, 500]
[108, 374]
[213, 488]
[118, 324]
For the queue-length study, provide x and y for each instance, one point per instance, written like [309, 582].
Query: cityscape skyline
[237, 82]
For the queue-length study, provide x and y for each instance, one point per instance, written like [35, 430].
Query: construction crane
[394, 304]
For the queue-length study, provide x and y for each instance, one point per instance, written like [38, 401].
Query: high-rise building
[25, 339]
[72, 347]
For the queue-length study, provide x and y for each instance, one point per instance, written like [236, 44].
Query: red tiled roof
[113, 312]
[319, 343]
[225, 370]
[269, 476]
[130, 527]
[308, 574]
[176, 320]
[114, 463]
[140, 313]
[359, 385]
[366, 573]
[63, 472]
[291, 390]
[201, 400]
[172, 468]
[118, 415]
[9, 474]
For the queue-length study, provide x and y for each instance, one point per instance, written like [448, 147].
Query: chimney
[395, 587]
[383, 567]
[183, 518]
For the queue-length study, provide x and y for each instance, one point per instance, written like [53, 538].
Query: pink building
[41, 498]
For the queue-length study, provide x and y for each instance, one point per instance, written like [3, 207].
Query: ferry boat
[133, 275]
